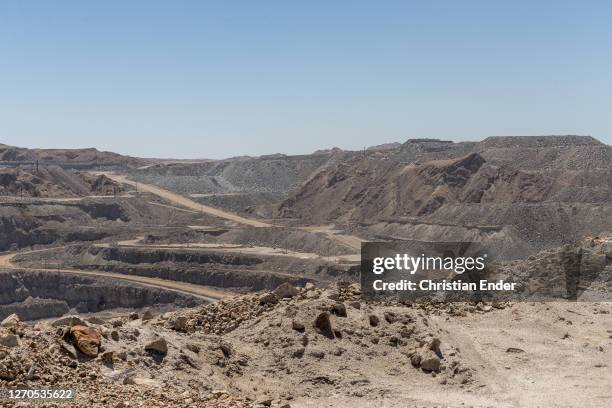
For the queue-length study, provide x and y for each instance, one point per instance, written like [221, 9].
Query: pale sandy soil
[565, 361]
[349, 240]
[237, 248]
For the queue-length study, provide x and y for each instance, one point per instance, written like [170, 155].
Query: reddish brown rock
[86, 339]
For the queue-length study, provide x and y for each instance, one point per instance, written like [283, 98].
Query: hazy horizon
[216, 80]
[285, 153]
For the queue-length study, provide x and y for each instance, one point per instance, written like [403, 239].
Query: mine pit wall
[128, 255]
[12, 238]
[224, 270]
[38, 295]
[287, 238]
[243, 280]
[27, 224]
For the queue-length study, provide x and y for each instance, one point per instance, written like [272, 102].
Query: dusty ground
[567, 349]
[252, 351]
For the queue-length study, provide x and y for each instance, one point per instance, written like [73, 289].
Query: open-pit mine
[236, 283]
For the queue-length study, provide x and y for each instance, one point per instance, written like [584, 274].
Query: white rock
[11, 321]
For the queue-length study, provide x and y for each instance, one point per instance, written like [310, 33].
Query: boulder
[426, 360]
[431, 363]
[116, 322]
[194, 348]
[147, 315]
[484, 308]
[339, 309]
[333, 295]
[179, 323]
[68, 348]
[266, 402]
[317, 354]
[415, 360]
[95, 320]
[226, 349]
[158, 345]
[68, 321]
[107, 357]
[374, 320]
[114, 335]
[312, 294]
[355, 304]
[322, 325]
[298, 326]
[406, 332]
[9, 340]
[86, 339]
[268, 299]
[434, 345]
[286, 290]
[11, 321]
[390, 317]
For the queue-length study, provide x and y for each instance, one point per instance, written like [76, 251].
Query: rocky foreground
[300, 347]
[258, 350]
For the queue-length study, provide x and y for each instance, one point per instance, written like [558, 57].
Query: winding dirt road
[237, 248]
[202, 292]
[348, 240]
[186, 202]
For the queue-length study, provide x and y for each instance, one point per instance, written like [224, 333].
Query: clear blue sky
[190, 79]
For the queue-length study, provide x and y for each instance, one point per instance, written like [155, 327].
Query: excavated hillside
[294, 239]
[544, 189]
[44, 294]
[275, 174]
[25, 223]
[68, 158]
[215, 267]
[53, 181]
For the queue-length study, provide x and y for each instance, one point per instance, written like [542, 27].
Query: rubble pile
[235, 352]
